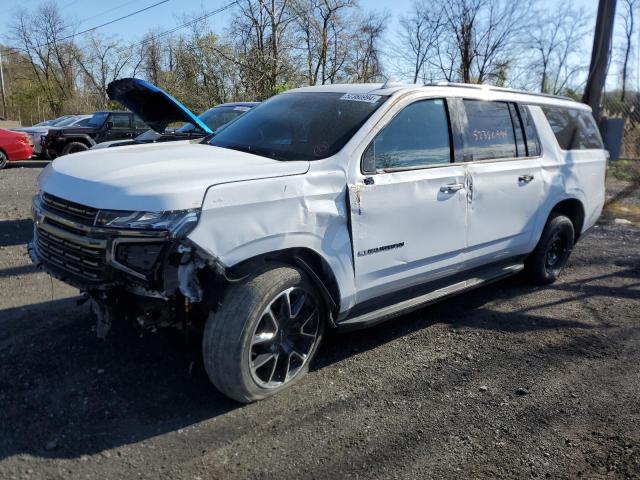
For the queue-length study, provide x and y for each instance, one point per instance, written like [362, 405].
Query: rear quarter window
[574, 129]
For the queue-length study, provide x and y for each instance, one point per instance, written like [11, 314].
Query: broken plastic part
[188, 282]
[102, 313]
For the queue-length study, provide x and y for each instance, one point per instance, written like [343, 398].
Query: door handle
[525, 178]
[451, 187]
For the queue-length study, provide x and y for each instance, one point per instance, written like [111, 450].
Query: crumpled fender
[242, 220]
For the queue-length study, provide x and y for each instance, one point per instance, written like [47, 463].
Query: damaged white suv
[330, 206]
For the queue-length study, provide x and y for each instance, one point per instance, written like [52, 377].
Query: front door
[408, 208]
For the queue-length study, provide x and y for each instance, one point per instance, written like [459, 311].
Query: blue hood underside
[153, 105]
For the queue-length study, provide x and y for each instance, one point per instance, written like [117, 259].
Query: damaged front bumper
[145, 262]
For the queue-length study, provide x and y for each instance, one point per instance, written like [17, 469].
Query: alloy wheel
[284, 338]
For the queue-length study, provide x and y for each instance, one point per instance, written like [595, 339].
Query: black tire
[3, 160]
[74, 147]
[241, 333]
[551, 254]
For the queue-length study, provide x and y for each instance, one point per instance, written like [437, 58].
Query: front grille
[74, 211]
[77, 259]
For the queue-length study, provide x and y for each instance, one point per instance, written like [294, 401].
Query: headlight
[178, 222]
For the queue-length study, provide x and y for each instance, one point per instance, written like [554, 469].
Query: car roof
[475, 91]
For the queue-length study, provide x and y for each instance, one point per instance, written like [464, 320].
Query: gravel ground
[506, 381]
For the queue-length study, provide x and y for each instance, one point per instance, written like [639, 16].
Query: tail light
[26, 139]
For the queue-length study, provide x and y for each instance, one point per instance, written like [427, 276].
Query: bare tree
[420, 31]
[262, 30]
[364, 64]
[46, 40]
[468, 40]
[629, 11]
[321, 25]
[102, 60]
[555, 44]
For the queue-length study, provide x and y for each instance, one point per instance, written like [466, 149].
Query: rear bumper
[21, 152]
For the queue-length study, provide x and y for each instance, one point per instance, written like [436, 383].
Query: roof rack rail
[497, 89]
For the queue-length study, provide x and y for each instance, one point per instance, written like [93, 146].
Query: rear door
[408, 203]
[504, 174]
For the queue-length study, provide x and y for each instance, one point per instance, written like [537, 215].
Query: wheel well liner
[574, 210]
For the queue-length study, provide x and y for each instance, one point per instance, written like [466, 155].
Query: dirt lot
[507, 381]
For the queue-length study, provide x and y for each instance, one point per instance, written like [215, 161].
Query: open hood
[154, 106]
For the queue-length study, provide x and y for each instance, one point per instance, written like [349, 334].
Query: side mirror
[108, 125]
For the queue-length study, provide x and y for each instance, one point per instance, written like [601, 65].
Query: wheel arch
[312, 262]
[573, 209]
[86, 139]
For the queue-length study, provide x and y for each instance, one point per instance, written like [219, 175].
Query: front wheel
[264, 335]
[3, 160]
[552, 252]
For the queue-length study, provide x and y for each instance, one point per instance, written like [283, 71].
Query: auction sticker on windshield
[360, 97]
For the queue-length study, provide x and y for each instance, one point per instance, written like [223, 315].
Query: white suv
[329, 206]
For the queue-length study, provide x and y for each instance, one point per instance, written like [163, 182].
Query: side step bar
[405, 306]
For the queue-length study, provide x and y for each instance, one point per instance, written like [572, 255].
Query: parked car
[14, 146]
[101, 127]
[38, 131]
[137, 95]
[328, 206]
[214, 118]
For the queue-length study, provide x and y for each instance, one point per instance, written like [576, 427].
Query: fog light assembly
[140, 257]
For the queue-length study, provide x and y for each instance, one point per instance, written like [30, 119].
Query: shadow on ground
[15, 232]
[66, 393]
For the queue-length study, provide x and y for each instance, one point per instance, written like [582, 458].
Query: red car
[14, 146]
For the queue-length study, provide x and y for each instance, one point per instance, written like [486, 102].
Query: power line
[113, 21]
[184, 25]
[73, 35]
[117, 7]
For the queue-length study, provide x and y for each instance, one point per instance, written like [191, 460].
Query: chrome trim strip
[72, 237]
[42, 211]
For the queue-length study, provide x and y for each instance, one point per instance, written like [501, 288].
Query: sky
[90, 13]
[94, 12]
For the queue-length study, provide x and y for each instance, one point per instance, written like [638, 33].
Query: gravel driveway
[506, 381]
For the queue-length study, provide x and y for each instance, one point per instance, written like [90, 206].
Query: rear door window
[416, 137]
[489, 132]
[574, 129]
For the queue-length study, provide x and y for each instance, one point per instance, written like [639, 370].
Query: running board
[405, 306]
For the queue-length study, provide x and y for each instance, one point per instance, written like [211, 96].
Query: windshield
[299, 126]
[215, 117]
[82, 122]
[56, 121]
[98, 119]
[67, 121]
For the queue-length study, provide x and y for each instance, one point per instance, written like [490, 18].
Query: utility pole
[600, 56]
[4, 98]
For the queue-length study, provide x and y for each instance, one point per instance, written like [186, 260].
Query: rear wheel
[552, 252]
[74, 147]
[264, 335]
[3, 160]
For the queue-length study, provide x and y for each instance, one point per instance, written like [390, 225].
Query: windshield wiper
[250, 149]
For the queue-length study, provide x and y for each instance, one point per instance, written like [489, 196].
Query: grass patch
[626, 170]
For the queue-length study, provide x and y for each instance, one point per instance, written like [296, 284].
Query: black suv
[102, 127]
